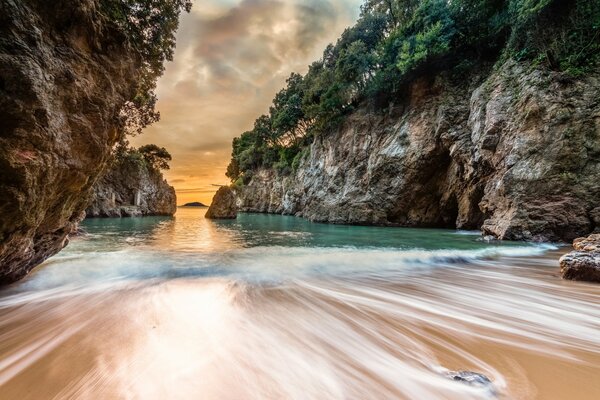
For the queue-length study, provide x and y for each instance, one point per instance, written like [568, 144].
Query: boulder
[223, 205]
[473, 379]
[583, 263]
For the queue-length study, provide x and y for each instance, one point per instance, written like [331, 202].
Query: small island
[194, 204]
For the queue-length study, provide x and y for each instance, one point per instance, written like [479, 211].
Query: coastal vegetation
[396, 41]
[150, 156]
[149, 26]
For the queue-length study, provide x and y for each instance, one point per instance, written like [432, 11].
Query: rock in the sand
[473, 379]
[223, 205]
[583, 263]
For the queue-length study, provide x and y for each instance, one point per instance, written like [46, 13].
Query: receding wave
[136, 320]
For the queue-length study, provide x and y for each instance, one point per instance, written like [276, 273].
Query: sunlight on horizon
[231, 58]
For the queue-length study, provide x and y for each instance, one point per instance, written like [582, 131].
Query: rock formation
[131, 188]
[194, 204]
[223, 204]
[513, 150]
[583, 263]
[65, 73]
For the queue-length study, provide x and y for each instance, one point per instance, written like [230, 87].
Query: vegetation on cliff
[395, 41]
[149, 156]
[149, 26]
[76, 76]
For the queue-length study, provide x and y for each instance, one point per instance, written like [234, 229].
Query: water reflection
[270, 307]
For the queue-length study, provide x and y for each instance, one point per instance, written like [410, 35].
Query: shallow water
[272, 307]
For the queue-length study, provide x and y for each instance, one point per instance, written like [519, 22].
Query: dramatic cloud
[231, 58]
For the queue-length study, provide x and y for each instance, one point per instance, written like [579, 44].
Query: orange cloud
[231, 59]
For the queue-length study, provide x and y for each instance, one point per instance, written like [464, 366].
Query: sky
[232, 56]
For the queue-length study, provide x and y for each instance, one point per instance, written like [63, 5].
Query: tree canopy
[395, 41]
[150, 156]
[150, 27]
[156, 157]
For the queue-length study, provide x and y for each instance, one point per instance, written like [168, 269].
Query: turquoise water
[256, 247]
[276, 307]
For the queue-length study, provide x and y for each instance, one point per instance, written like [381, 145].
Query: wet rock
[223, 205]
[511, 150]
[65, 73]
[473, 379]
[583, 263]
[131, 189]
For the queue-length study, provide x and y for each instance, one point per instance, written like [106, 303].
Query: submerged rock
[474, 379]
[131, 188]
[223, 204]
[583, 263]
[65, 73]
[512, 150]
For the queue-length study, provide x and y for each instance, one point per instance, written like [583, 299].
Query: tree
[156, 157]
[394, 41]
[150, 27]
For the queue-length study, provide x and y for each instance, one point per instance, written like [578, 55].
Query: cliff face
[223, 205]
[64, 75]
[514, 151]
[130, 189]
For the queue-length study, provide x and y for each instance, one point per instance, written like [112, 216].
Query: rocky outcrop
[512, 150]
[130, 189]
[65, 73]
[223, 205]
[582, 264]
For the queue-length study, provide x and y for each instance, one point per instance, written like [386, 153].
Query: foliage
[156, 157]
[395, 41]
[149, 156]
[150, 27]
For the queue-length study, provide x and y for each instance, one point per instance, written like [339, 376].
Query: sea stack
[223, 205]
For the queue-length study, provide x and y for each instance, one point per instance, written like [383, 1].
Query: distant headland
[194, 204]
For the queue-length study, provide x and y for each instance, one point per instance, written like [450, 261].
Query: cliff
[65, 73]
[131, 188]
[513, 150]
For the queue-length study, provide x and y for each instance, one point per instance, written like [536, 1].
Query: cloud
[231, 58]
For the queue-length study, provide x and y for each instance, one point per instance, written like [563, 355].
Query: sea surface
[276, 307]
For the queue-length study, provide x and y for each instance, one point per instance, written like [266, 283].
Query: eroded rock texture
[130, 189]
[583, 263]
[64, 74]
[513, 150]
[223, 205]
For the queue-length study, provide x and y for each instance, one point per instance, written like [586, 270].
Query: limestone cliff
[513, 150]
[130, 188]
[65, 72]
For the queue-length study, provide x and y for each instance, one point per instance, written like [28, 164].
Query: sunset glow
[231, 58]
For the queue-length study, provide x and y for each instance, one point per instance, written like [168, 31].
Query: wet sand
[367, 336]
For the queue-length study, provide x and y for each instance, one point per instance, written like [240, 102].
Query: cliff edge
[131, 188]
[65, 73]
[513, 150]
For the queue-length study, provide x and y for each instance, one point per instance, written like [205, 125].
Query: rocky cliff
[65, 73]
[223, 205]
[513, 150]
[130, 188]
